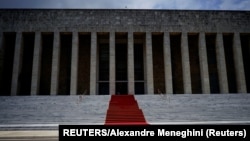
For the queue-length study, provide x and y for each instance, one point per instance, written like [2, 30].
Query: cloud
[211, 4]
[114, 4]
[184, 4]
[31, 4]
[235, 5]
[130, 4]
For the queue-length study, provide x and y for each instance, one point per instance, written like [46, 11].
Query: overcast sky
[130, 4]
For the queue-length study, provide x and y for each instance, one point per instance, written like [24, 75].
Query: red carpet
[124, 110]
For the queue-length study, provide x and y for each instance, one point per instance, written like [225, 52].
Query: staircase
[124, 110]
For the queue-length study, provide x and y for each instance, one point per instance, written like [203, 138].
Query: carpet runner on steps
[124, 110]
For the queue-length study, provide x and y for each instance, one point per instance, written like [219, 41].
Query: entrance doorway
[121, 64]
[121, 88]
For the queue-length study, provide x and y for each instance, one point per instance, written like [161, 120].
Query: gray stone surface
[221, 64]
[238, 62]
[29, 135]
[93, 63]
[36, 64]
[74, 64]
[55, 64]
[39, 112]
[16, 64]
[185, 64]
[53, 109]
[205, 82]
[149, 64]
[131, 79]
[120, 20]
[112, 63]
[196, 108]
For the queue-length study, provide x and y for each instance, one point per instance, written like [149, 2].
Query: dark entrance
[212, 63]
[26, 64]
[103, 61]
[121, 88]
[139, 41]
[175, 45]
[121, 69]
[139, 69]
[121, 64]
[6, 64]
[46, 63]
[103, 87]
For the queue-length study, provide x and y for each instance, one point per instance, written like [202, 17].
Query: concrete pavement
[29, 135]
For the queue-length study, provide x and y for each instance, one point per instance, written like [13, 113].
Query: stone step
[34, 111]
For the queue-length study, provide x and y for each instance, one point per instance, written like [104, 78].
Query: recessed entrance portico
[123, 52]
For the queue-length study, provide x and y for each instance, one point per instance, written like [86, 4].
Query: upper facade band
[123, 20]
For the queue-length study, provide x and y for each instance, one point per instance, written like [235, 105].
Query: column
[112, 63]
[74, 64]
[205, 84]
[221, 64]
[131, 79]
[93, 57]
[55, 64]
[149, 64]
[167, 63]
[16, 64]
[35, 80]
[185, 64]
[239, 67]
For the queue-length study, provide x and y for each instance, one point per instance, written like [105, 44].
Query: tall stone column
[221, 64]
[35, 80]
[74, 64]
[185, 64]
[167, 63]
[16, 64]
[131, 79]
[205, 84]
[112, 63]
[149, 64]
[239, 67]
[55, 64]
[93, 57]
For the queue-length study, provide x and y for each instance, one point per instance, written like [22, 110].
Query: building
[123, 51]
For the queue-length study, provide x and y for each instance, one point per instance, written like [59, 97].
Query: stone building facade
[123, 51]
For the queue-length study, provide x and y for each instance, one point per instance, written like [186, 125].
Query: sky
[129, 4]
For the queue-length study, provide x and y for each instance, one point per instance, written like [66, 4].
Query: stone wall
[102, 20]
